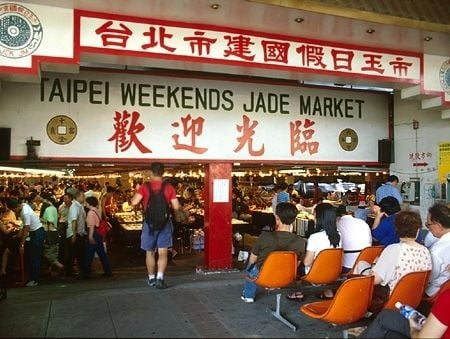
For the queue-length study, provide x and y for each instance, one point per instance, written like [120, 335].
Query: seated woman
[398, 259]
[326, 236]
[383, 230]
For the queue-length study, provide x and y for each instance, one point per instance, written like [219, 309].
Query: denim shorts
[150, 240]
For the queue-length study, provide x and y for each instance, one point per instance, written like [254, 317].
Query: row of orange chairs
[354, 295]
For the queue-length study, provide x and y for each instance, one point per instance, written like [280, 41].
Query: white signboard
[221, 190]
[124, 116]
[113, 34]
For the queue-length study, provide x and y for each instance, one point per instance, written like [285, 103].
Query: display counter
[129, 231]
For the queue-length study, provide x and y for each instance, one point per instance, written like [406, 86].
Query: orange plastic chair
[444, 287]
[326, 268]
[409, 290]
[278, 270]
[349, 304]
[368, 254]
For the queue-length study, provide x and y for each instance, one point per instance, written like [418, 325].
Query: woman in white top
[326, 236]
[398, 259]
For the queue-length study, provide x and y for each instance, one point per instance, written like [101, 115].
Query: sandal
[322, 296]
[295, 296]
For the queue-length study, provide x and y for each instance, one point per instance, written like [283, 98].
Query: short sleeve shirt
[399, 259]
[440, 311]
[169, 191]
[51, 215]
[440, 256]
[355, 235]
[278, 241]
[29, 218]
[283, 196]
[93, 218]
[76, 212]
[385, 232]
[319, 241]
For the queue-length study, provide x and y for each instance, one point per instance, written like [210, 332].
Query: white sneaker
[247, 300]
[32, 283]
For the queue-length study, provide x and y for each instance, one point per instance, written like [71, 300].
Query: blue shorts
[150, 240]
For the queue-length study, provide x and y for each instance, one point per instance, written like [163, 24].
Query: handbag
[103, 227]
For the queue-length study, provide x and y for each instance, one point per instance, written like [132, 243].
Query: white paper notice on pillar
[221, 190]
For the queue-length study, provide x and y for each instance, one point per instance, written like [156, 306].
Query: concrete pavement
[195, 306]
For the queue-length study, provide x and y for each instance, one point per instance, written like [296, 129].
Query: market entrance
[213, 198]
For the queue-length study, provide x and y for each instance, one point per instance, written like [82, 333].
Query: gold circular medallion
[61, 129]
[348, 139]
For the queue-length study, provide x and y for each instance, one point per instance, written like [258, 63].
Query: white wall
[432, 131]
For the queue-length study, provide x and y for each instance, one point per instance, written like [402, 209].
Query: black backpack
[157, 212]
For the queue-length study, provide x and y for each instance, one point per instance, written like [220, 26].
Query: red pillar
[218, 216]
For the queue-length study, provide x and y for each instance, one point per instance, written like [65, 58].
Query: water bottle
[409, 312]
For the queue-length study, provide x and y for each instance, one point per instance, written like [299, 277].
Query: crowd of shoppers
[48, 227]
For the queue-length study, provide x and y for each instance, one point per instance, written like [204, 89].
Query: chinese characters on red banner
[127, 126]
[246, 48]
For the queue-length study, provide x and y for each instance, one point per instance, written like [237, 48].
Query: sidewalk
[196, 305]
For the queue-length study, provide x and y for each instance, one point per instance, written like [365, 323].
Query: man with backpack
[156, 196]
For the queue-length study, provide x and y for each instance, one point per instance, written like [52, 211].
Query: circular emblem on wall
[61, 129]
[20, 31]
[348, 139]
[444, 76]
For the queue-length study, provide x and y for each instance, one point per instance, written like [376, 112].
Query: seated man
[355, 235]
[282, 239]
[438, 223]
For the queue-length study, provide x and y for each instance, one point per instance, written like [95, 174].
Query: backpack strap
[152, 192]
[98, 216]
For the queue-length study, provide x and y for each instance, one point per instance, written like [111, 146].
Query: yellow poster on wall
[444, 161]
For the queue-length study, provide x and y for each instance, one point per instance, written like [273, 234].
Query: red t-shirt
[440, 311]
[169, 191]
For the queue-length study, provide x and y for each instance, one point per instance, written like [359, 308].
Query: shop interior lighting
[34, 171]
[298, 20]
[292, 171]
[359, 169]
[351, 173]
[370, 31]
[215, 6]
[428, 38]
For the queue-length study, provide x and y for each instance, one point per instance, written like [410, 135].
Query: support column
[217, 196]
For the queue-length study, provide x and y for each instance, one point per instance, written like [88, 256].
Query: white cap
[398, 304]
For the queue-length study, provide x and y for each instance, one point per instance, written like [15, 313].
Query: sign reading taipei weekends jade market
[124, 116]
[112, 34]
